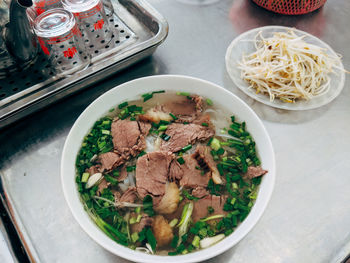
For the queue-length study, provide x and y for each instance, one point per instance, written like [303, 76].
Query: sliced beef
[191, 176]
[186, 110]
[145, 221]
[184, 134]
[116, 194]
[175, 171]
[152, 171]
[129, 196]
[93, 169]
[102, 185]
[204, 118]
[122, 174]
[207, 163]
[200, 207]
[129, 136]
[144, 127]
[254, 171]
[200, 192]
[110, 161]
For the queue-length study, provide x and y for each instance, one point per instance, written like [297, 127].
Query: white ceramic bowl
[132, 90]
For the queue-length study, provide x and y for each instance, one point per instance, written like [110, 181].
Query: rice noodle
[288, 68]
[123, 187]
[127, 181]
[143, 249]
[131, 177]
[117, 203]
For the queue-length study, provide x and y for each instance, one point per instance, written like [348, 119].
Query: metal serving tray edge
[132, 13]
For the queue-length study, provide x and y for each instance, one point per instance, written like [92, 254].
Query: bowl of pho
[167, 169]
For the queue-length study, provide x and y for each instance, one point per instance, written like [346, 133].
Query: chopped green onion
[186, 148]
[173, 116]
[122, 105]
[132, 220]
[111, 110]
[106, 132]
[148, 205]
[174, 242]
[188, 196]
[151, 239]
[165, 137]
[138, 210]
[138, 219]
[210, 209]
[185, 220]
[147, 97]
[195, 241]
[141, 154]
[162, 128]
[221, 151]
[180, 160]
[134, 237]
[233, 201]
[205, 124]
[159, 91]
[183, 93]
[215, 144]
[209, 102]
[212, 217]
[110, 179]
[131, 168]
[234, 185]
[173, 222]
[85, 177]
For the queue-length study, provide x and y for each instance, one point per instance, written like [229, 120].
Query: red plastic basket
[290, 7]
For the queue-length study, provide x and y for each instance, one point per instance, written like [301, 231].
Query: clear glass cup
[61, 41]
[40, 6]
[92, 20]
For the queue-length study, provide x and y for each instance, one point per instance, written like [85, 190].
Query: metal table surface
[308, 217]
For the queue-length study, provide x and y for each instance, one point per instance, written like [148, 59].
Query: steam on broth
[168, 173]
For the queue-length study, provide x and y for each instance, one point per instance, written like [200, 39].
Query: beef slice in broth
[185, 110]
[129, 136]
[188, 173]
[152, 171]
[185, 134]
[200, 207]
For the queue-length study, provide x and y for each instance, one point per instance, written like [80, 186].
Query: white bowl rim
[81, 216]
[301, 105]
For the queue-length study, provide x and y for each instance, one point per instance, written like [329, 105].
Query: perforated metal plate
[40, 70]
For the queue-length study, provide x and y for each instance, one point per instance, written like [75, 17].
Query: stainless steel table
[308, 218]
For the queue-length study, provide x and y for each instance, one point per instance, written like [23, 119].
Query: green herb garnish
[148, 205]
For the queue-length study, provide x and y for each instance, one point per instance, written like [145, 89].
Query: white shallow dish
[134, 89]
[243, 44]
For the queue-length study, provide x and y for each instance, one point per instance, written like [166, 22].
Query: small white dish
[243, 44]
[132, 90]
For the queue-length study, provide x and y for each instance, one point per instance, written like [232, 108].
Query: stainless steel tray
[139, 29]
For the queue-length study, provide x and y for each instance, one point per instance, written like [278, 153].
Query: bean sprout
[288, 68]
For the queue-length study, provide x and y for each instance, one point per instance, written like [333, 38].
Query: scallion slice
[209, 102]
[180, 160]
[122, 105]
[186, 148]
